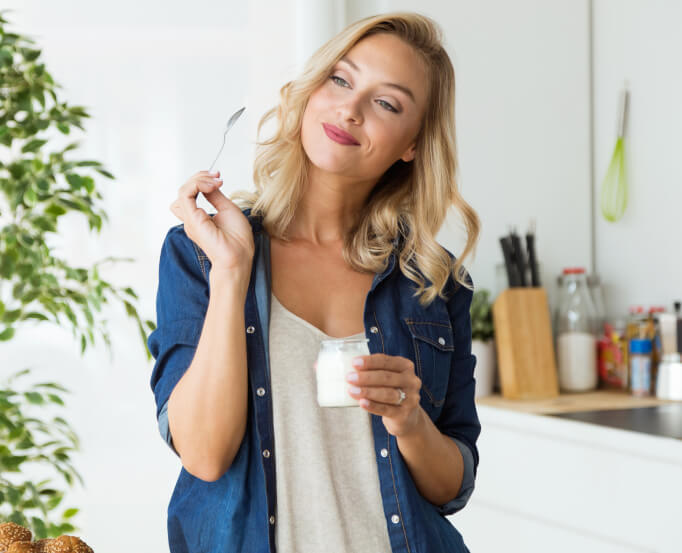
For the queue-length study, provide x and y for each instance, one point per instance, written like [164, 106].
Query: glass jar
[334, 362]
[576, 333]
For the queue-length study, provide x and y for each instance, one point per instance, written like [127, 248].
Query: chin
[328, 158]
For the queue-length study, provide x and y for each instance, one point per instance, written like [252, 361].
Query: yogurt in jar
[334, 362]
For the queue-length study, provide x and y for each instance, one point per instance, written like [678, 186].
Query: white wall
[639, 256]
[522, 109]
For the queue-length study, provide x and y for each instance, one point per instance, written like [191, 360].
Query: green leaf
[52, 385]
[69, 513]
[13, 496]
[130, 292]
[66, 528]
[33, 145]
[53, 502]
[11, 463]
[35, 315]
[55, 209]
[11, 316]
[55, 399]
[6, 334]
[105, 173]
[71, 146]
[39, 528]
[35, 398]
[30, 197]
[74, 180]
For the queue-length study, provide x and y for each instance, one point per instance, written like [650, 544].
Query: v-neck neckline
[311, 326]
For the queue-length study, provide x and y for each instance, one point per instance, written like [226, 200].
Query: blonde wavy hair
[411, 198]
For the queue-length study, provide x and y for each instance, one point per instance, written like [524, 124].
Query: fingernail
[354, 389]
[358, 362]
[352, 376]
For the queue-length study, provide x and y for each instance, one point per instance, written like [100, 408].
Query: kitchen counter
[580, 472]
[611, 408]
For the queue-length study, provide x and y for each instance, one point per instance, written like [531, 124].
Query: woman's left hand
[379, 378]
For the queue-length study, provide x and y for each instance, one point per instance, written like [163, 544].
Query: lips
[337, 135]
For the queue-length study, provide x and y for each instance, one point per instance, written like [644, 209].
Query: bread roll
[11, 532]
[40, 545]
[67, 544]
[21, 547]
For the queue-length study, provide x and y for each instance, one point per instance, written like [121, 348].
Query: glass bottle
[576, 333]
[597, 293]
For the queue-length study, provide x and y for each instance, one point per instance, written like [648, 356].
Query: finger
[219, 200]
[381, 409]
[388, 396]
[187, 196]
[176, 210]
[377, 377]
[395, 363]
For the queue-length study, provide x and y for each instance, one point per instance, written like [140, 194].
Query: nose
[351, 110]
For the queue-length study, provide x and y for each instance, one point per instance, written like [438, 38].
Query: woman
[350, 193]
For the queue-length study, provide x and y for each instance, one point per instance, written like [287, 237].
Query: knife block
[525, 347]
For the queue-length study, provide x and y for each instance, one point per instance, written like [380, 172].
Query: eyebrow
[400, 87]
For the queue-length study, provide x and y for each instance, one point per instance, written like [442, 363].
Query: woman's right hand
[226, 237]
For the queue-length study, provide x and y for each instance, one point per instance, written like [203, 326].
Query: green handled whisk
[614, 192]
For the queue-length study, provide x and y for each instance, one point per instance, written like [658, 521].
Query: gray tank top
[328, 496]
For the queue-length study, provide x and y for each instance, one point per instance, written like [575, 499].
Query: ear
[410, 152]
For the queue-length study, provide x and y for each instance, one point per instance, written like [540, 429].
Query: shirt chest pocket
[433, 346]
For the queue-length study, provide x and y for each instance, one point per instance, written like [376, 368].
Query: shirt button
[266, 453]
[374, 330]
[250, 330]
[395, 519]
[272, 519]
[384, 452]
[441, 341]
[260, 391]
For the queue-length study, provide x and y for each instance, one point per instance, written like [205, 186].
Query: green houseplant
[37, 187]
[481, 316]
[482, 344]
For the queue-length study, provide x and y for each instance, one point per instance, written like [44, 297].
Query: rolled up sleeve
[458, 419]
[181, 304]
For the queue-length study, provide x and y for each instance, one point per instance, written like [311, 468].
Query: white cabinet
[547, 484]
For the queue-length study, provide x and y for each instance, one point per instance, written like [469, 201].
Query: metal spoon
[231, 122]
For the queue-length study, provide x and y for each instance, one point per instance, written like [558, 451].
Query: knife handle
[532, 260]
[519, 258]
[512, 271]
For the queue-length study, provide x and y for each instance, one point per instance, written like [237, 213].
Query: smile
[339, 136]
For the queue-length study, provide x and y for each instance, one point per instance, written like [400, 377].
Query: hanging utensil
[614, 193]
[230, 122]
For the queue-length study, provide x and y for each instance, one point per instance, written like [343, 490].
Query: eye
[391, 108]
[336, 78]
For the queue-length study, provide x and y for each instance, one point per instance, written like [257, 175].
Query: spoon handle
[231, 121]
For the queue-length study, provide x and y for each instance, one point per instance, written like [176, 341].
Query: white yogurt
[334, 361]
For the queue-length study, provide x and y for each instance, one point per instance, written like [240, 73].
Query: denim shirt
[236, 513]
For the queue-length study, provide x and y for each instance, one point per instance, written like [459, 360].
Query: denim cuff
[468, 481]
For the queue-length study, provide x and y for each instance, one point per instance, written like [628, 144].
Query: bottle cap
[640, 345]
[573, 270]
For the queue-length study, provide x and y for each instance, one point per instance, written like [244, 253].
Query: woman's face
[358, 97]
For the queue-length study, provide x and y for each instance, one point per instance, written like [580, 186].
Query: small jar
[334, 362]
[640, 366]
